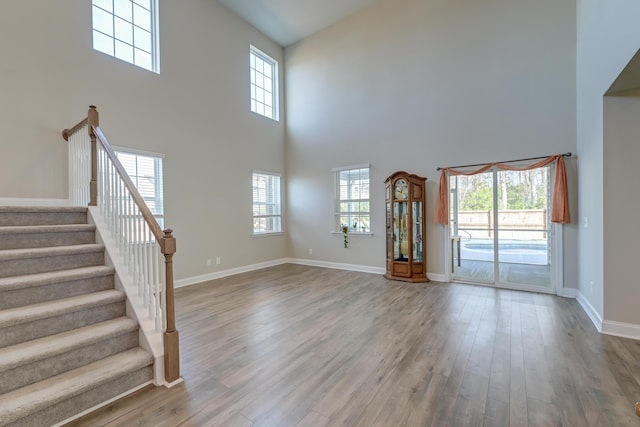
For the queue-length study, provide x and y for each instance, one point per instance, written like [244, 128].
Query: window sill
[275, 233]
[352, 233]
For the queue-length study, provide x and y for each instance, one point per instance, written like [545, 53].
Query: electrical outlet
[585, 222]
[310, 251]
[209, 262]
[217, 260]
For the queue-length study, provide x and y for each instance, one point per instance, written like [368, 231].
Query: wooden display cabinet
[405, 221]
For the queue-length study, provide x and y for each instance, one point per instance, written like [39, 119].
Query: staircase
[66, 344]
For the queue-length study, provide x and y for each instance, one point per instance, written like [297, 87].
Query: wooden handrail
[68, 132]
[638, 409]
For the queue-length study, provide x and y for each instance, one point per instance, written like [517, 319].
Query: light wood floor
[305, 346]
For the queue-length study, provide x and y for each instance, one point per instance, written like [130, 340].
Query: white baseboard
[337, 265]
[103, 404]
[568, 293]
[6, 201]
[175, 383]
[300, 261]
[619, 329]
[180, 283]
[438, 277]
[590, 310]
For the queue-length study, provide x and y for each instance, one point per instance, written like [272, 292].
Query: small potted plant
[345, 231]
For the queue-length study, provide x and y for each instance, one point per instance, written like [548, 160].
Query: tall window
[266, 203]
[127, 30]
[145, 170]
[352, 199]
[264, 83]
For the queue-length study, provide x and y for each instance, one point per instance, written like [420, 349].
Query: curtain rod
[508, 161]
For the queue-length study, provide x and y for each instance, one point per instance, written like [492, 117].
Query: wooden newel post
[638, 409]
[171, 341]
[92, 120]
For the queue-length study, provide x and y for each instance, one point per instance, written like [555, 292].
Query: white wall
[415, 84]
[195, 112]
[608, 37]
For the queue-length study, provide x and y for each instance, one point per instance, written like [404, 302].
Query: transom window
[145, 170]
[127, 30]
[352, 199]
[264, 83]
[266, 203]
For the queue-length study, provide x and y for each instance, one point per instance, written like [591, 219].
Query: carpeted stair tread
[36, 397]
[28, 253]
[41, 215]
[20, 315]
[41, 236]
[34, 229]
[66, 344]
[43, 348]
[41, 279]
[42, 209]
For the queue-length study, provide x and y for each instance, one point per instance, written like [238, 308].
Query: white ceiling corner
[289, 21]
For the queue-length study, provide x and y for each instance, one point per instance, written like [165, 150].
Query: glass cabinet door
[400, 231]
[389, 238]
[417, 231]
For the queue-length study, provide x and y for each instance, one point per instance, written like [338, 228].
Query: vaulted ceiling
[289, 21]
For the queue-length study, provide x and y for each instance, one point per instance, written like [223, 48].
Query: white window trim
[268, 233]
[336, 197]
[154, 34]
[346, 168]
[275, 83]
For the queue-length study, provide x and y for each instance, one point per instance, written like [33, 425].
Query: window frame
[277, 204]
[158, 166]
[338, 213]
[254, 52]
[98, 6]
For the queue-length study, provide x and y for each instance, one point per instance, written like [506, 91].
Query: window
[127, 30]
[264, 83]
[145, 170]
[266, 203]
[352, 199]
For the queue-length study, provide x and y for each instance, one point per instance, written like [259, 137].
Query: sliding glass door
[500, 229]
[472, 229]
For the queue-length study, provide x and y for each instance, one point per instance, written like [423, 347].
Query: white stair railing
[79, 163]
[133, 236]
[97, 178]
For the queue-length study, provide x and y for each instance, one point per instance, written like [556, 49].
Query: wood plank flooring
[304, 346]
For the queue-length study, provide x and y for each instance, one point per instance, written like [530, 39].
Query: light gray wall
[622, 206]
[415, 84]
[608, 37]
[195, 112]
